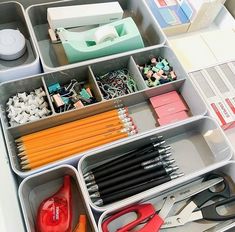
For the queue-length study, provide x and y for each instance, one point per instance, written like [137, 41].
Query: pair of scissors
[209, 212]
[146, 213]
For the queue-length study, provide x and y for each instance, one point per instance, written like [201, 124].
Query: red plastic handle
[143, 211]
[153, 225]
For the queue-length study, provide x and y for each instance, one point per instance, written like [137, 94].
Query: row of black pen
[132, 173]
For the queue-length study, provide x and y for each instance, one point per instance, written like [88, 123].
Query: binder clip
[119, 36]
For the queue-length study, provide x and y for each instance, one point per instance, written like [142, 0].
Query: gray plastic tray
[198, 146]
[37, 18]
[137, 102]
[36, 188]
[29, 63]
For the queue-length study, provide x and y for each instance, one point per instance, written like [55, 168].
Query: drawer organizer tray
[29, 63]
[137, 103]
[200, 225]
[204, 148]
[37, 18]
[34, 189]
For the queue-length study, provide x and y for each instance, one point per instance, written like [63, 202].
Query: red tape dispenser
[55, 212]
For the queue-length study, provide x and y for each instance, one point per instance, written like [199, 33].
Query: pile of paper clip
[116, 83]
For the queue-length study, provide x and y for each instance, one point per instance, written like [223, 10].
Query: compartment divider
[48, 95]
[136, 73]
[94, 83]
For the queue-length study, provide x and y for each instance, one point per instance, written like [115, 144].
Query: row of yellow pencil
[49, 145]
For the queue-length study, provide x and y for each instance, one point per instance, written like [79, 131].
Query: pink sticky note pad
[164, 99]
[173, 118]
[171, 108]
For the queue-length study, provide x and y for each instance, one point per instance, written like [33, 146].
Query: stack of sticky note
[201, 13]
[205, 49]
[169, 15]
[180, 16]
[169, 108]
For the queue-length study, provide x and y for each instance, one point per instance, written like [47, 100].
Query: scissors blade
[195, 189]
[182, 218]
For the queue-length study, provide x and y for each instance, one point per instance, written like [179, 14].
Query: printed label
[230, 104]
[219, 115]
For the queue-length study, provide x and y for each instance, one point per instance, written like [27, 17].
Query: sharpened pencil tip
[23, 158]
[26, 167]
[18, 140]
[24, 162]
[21, 154]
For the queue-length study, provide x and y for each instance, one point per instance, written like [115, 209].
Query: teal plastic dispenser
[119, 36]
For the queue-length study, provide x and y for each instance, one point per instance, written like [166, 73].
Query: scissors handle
[210, 212]
[143, 211]
[207, 194]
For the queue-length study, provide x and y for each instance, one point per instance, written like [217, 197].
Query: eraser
[171, 108]
[164, 99]
[173, 118]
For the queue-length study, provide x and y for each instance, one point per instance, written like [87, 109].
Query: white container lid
[12, 44]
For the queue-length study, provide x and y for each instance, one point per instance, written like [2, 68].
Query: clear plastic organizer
[36, 188]
[155, 197]
[222, 78]
[37, 19]
[28, 64]
[198, 48]
[138, 103]
[204, 144]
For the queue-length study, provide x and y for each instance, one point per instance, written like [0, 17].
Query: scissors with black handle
[209, 212]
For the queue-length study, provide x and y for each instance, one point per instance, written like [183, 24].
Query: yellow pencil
[66, 126]
[49, 159]
[32, 156]
[68, 133]
[70, 138]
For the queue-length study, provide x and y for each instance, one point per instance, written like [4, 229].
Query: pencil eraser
[173, 118]
[164, 99]
[171, 108]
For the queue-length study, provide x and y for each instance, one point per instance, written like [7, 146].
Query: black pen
[130, 183]
[123, 165]
[124, 194]
[142, 150]
[157, 168]
[129, 169]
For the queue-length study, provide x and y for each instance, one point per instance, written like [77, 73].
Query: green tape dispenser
[119, 36]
